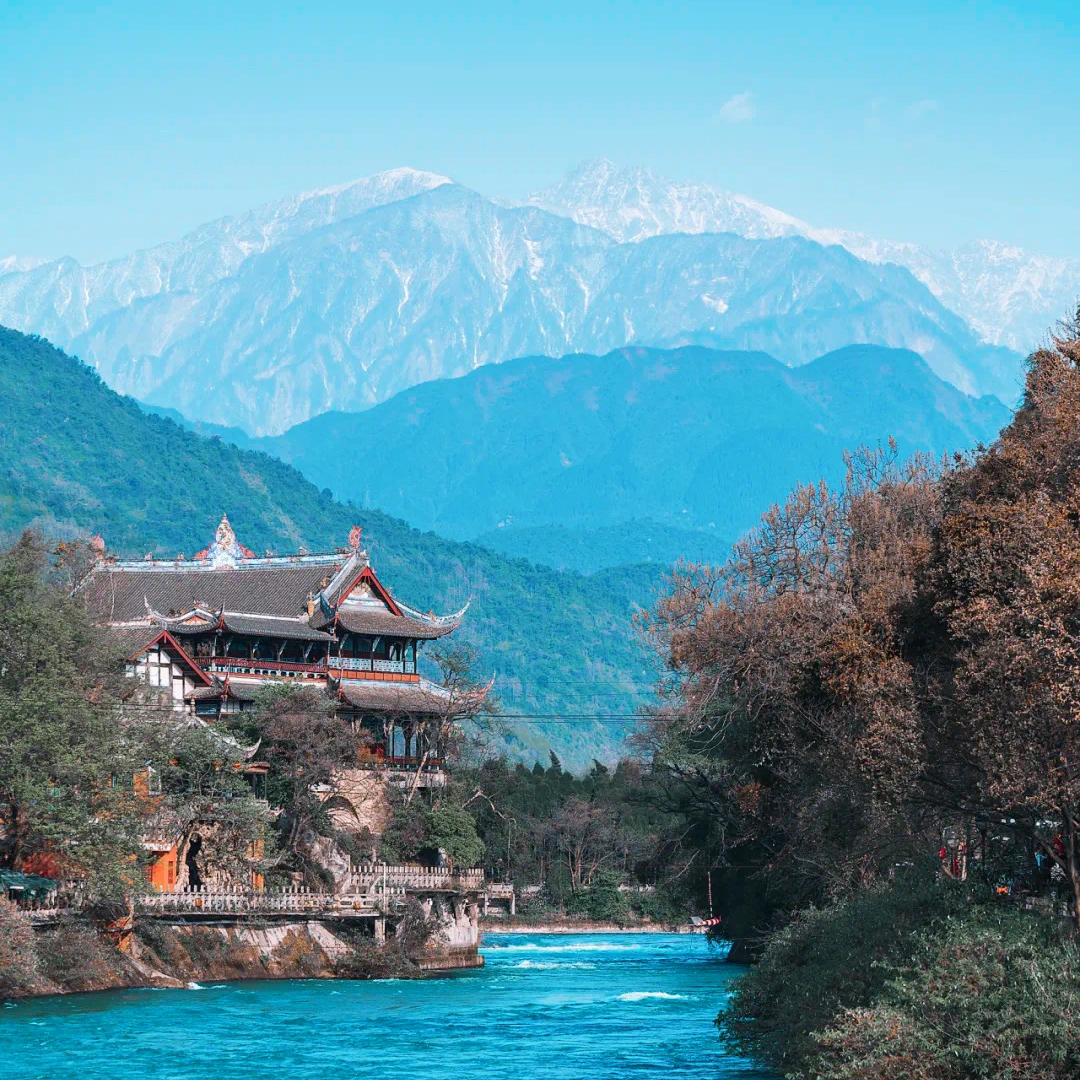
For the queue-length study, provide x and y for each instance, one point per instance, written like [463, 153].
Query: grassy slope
[76, 458]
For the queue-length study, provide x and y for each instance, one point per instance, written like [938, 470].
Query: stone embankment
[195, 936]
[74, 955]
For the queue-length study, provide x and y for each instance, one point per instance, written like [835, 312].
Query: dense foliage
[76, 458]
[577, 837]
[913, 981]
[67, 756]
[882, 673]
[827, 960]
[79, 742]
[995, 994]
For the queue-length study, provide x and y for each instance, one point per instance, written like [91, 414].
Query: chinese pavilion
[214, 629]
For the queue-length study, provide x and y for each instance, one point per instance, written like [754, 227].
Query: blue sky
[935, 123]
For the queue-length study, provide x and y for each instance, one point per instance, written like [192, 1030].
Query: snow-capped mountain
[1009, 296]
[16, 264]
[438, 284]
[62, 299]
[339, 298]
[633, 204]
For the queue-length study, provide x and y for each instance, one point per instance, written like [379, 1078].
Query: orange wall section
[161, 873]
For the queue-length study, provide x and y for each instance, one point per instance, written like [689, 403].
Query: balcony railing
[240, 665]
[236, 900]
[370, 663]
[377, 876]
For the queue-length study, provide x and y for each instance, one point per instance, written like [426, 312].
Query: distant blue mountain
[641, 454]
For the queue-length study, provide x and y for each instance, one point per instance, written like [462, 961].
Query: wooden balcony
[347, 666]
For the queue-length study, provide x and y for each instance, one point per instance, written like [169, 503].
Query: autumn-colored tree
[1008, 589]
[794, 718]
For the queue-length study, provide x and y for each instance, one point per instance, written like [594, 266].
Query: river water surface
[564, 1007]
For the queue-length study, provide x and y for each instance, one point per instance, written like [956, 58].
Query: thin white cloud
[872, 120]
[738, 109]
[918, 109]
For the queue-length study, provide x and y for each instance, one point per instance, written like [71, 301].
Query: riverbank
[74, 956]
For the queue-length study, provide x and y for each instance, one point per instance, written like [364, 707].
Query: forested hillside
[589, 461]
[76, 458]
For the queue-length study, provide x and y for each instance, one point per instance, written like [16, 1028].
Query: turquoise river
[602, 1007]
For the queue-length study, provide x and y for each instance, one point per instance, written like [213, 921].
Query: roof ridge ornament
[356, 545]
[224, 535]
[226, 550]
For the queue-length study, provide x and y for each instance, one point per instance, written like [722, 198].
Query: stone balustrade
[366, 876]
[236, 900]
[368, 888]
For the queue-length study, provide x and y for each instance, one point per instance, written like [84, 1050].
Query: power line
[532, 718]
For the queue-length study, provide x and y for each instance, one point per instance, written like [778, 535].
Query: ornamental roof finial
[225, 550]
[224, 535]
[356, 535]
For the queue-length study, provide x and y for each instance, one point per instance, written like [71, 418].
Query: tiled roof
[379, 621]
[127, 641]
[423, 696]
[203, 693]
[241, 689]
[256, 626]
[401, 697]
[120, 593]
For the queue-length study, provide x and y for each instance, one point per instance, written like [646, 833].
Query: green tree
[306, 745]
[71, 736]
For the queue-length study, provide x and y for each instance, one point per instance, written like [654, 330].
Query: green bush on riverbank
[913, 982]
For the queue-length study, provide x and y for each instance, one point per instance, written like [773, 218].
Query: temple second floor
[212, 631]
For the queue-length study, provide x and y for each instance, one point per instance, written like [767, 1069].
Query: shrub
[77, 957]
[660, 907]
[602, 900]
[18, 962]
[453, 830]
[825, 961]
[415, 828]
[994, 993]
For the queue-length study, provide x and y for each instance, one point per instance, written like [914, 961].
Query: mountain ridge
[294, 309]
[76, 458]
[1008, 295]
[690, 443]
